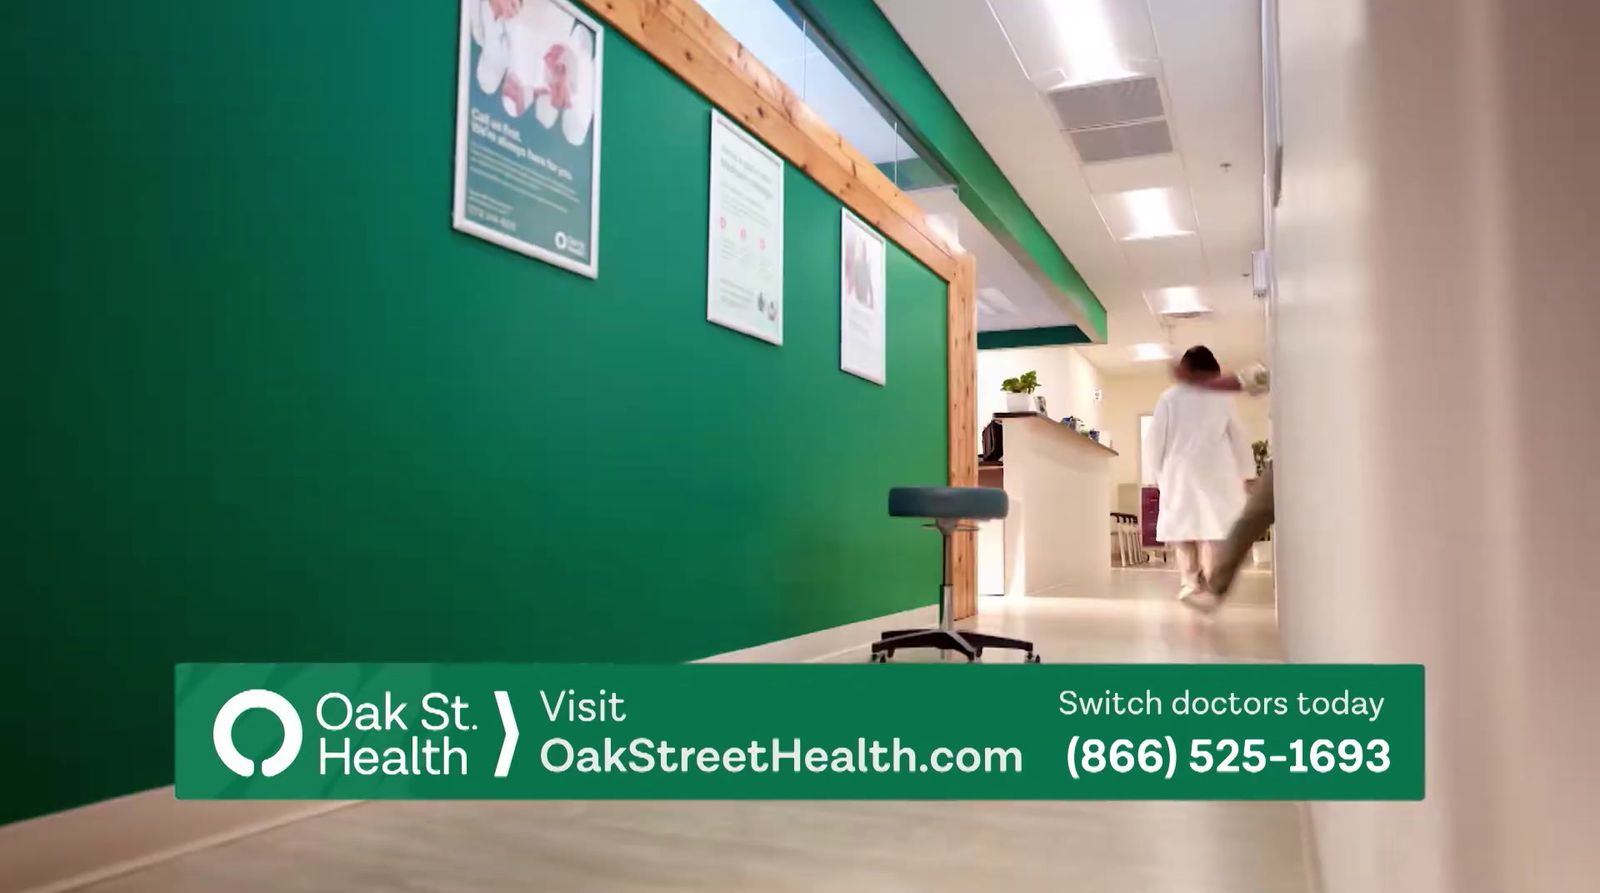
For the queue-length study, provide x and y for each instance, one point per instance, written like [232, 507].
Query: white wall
[1435, 418]
[1067, 380]
[1128, 396]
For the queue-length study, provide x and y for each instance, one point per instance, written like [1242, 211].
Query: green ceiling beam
[1045, 337]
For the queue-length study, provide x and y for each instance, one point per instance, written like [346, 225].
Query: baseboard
[72, 849]
[826, 643]
[77, 847]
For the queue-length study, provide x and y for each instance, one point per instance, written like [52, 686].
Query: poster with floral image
[863, 304]
[527, 167]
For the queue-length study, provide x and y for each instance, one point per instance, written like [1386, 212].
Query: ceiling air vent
[1113, 120]
[1122, 141]
[1107, 102]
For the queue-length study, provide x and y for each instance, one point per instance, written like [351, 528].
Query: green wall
[269, 406]
[862, 32]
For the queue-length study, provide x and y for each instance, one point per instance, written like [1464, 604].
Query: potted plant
[1019, 391]
[1261, 550]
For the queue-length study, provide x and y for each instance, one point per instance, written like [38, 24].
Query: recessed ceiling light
[1083, 31]
[946, 227]
[1151, 215]
[1179, 299]
[995, 301]
[1151, 351]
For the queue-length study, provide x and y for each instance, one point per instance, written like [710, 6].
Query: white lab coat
[1199, 458]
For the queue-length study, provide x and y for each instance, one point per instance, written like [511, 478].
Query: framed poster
[528, 117]
[863, 308]
[744, 283]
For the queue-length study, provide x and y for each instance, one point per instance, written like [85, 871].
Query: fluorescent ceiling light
[1151, 351]
[1179, 299]
[946, 227]
[1083, 31]
[1151, 214]
[995, 301]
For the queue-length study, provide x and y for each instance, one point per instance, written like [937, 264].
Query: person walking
[1258, 514]
[1201, 462]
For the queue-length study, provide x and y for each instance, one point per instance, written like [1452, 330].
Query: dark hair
[1200, 359]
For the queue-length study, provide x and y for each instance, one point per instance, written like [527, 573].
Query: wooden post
[962, 359]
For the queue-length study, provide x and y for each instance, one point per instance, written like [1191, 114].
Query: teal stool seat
[949, 503]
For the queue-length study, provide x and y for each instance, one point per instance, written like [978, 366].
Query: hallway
[1123, 847]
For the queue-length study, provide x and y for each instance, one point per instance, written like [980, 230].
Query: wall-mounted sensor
[1260, 273]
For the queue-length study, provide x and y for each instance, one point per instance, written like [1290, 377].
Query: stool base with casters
[947, 507]
[968, 643]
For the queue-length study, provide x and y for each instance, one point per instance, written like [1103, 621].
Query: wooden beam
[961, 327]
[688, 41]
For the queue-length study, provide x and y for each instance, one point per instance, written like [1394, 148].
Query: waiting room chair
[1130, 548]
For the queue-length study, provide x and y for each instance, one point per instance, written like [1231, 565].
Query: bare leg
[1187, 555]
[1252, 523]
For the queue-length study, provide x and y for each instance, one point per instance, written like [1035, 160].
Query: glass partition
[787, 42]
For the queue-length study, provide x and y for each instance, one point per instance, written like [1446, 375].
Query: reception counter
[1057, 536]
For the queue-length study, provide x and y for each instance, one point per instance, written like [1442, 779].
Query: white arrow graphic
[508, 748]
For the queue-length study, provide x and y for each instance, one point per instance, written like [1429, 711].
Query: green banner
[756, 731]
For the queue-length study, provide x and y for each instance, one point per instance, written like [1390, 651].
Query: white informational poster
[528, 129]
[863, 316]
[744, 289]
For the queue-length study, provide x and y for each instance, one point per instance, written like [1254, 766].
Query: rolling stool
[948, 507]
